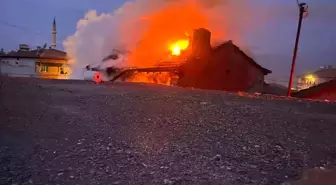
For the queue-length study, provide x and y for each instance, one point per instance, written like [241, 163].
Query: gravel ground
[76, 132]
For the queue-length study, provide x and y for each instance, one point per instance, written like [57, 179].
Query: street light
[303, 7]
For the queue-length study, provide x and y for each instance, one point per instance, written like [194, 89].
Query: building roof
[41, 53]
[314, 89]
[326, 73]
[249, 59]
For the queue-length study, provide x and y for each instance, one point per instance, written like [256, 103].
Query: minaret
[53, 44]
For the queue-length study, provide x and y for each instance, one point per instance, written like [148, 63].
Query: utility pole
[303, 7]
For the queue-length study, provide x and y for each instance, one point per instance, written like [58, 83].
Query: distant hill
[275, 89]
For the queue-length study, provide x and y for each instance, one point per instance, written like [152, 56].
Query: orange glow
[168, 32]
[163, 78]
[167, 38]
[179, 46]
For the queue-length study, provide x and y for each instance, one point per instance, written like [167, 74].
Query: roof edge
[303, 93]
[36, 57]
[264, 70]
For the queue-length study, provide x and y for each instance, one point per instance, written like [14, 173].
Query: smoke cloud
[146, 27]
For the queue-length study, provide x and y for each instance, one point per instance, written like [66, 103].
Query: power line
[19, 27]
[38, 33]
[58, 5]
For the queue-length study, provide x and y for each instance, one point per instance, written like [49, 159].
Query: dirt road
[75, 132]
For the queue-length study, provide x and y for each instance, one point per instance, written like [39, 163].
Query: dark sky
[29, 21]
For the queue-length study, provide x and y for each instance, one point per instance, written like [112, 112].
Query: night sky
[29, 21]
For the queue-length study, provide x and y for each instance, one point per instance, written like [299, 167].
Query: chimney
[201, 46]
[192, 72]
[38, 50]
[24, 47]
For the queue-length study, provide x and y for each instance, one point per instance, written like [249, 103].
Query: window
[44, 68]
[61, 70]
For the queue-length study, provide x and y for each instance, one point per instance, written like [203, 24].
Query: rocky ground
[76, 132]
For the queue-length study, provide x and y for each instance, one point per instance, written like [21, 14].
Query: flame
[163, 78]
[166, 37]
[177, 47]
[167, 30]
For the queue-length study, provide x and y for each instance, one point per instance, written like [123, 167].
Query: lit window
[310, 79]
[44, 68]
[61, 70]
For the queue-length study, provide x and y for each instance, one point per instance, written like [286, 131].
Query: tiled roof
[230, 43]
[42, 53]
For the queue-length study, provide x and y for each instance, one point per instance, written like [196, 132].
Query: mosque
[40, 62]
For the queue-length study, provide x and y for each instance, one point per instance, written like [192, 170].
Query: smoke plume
[147, 27]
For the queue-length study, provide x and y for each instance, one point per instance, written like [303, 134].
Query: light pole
[303, 7]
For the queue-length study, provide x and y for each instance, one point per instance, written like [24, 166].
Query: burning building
[224, 67]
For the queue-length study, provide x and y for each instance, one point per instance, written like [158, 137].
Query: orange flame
[167, 30]
[163, 78]
[166, 37]
[179, 46]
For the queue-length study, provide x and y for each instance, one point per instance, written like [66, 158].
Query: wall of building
[236, 72]
[226, 69]
[324, 74]
[52, 69]
[305, 82]
[17, 67]
[325, 94]
[256, 79]
[30, 67]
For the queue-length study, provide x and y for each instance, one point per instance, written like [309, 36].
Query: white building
[39, 62]
[24, 67]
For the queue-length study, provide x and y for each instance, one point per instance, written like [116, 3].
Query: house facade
[241, 71]
[19, 68]
[322, 91]
[324, 74]
[225, 68]
[39, 63]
